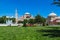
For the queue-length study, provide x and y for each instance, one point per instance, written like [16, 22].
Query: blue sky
[44, 7]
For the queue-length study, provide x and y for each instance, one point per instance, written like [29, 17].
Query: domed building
[52, 14]
[53, 19]
[27, 16]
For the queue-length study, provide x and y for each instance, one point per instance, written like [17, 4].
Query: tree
[43, 21]
[56, 2]
[24, 23]
[20, 21]
[13, 20]
[3, 19]
[31, 21]
[38, 19]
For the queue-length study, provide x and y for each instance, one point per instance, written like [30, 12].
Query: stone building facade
[53, 19]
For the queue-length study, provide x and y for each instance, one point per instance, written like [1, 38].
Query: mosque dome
[52, 14]
[27, 13]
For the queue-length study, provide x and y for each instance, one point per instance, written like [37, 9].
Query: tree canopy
[3, 19]
[56, 2]
[39, 19]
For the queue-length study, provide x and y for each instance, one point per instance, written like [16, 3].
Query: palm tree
[56, 2]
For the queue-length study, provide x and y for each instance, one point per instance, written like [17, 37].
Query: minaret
[16, 16]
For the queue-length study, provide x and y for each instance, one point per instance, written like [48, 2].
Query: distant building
[26, 16]
[53, 19]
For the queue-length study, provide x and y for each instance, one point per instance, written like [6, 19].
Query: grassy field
[30, 33]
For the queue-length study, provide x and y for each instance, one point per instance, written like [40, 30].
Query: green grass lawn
[30, 33]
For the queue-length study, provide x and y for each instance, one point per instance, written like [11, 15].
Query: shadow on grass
[50, 32]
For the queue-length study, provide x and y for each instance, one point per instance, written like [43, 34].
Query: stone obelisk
[16, 16]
